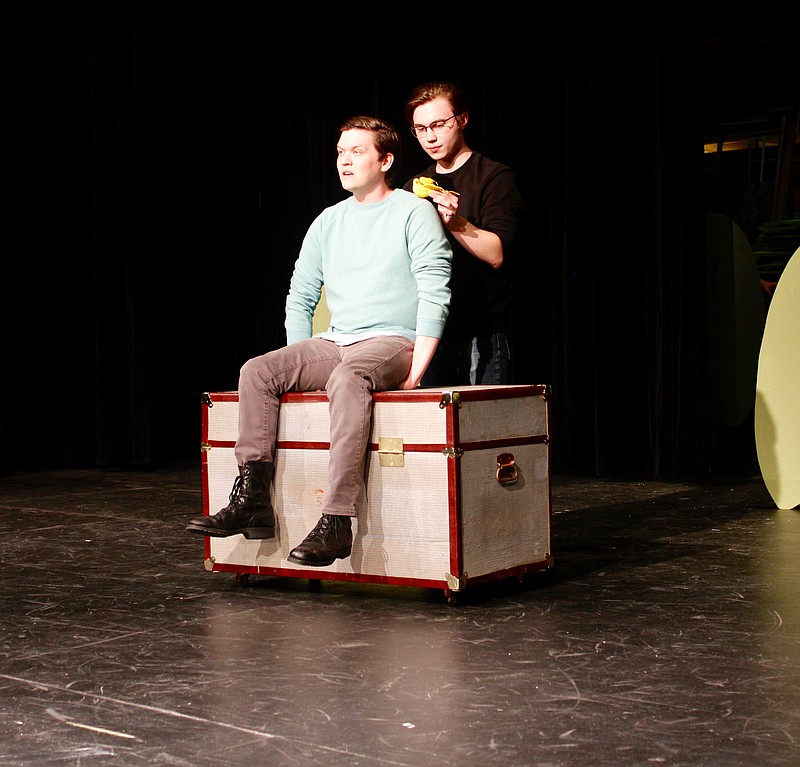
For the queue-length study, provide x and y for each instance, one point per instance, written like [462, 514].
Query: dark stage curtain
[627, 269]
[174, 168]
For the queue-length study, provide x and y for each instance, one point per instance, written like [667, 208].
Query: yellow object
[423, 186]
[321, 321]
[777, 408]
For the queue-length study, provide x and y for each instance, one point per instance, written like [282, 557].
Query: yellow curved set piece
[777, 409]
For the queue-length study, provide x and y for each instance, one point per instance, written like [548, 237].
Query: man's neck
[449, 164]
[373, 195]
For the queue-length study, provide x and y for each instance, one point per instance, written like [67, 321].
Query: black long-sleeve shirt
[482, 297]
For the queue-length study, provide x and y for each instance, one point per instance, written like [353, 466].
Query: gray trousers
[350, 374]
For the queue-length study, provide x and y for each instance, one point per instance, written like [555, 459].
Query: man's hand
[447, 206]
[409, 383]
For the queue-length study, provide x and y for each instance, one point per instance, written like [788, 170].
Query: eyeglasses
[438, 127]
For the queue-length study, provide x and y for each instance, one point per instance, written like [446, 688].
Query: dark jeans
[470, 361]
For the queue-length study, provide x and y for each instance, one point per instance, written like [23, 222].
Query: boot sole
[258, 533]
[343, 554]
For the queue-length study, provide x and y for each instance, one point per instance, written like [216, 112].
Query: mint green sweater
[385, 267]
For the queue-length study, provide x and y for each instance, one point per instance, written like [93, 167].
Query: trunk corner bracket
[450, 398]
[456, 584]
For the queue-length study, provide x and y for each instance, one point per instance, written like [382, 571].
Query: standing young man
[385, 263]
[483, 220]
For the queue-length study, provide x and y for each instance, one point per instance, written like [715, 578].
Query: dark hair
[385, 138]
[435, 89]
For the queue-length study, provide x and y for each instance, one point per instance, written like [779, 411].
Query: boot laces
[329, 524]
[238, 489]
[320, 530]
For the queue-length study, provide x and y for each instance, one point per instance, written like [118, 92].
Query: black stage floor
[668, 634]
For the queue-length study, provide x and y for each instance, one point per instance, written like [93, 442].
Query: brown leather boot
[331, 539]
[249, 511]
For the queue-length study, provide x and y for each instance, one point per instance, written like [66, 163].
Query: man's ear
[387, 162]
[463, 119]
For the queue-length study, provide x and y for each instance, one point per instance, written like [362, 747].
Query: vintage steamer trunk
[458, 487]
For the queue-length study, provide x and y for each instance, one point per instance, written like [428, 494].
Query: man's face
[447, 139]
[358, 162]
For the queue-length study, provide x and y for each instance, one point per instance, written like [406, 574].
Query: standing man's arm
[486, 246]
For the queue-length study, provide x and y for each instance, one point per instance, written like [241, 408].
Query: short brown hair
[434, 89]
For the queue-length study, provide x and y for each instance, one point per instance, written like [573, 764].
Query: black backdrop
[169, 168]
